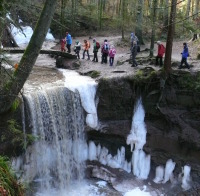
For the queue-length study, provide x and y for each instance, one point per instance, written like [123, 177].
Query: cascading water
[58, 154]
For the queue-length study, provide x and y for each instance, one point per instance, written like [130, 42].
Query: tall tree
[12, 88]
[123, 14]
[62, 19]
[196, 8]
[138, 29]
[100, 9]
[154, 11]
[166, 15]
[188, 9]
[73, 16]
[170, 36]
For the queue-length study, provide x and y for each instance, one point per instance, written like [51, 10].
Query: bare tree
[11, 89]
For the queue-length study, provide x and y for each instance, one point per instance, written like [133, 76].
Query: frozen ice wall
[87, 89]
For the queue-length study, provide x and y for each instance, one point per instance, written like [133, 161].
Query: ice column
[159, 174]
[186, 177]
[137, 139]
[169, 168]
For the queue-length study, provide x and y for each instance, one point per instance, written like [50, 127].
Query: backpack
[106, 47]
[97, 45]
[88, 44]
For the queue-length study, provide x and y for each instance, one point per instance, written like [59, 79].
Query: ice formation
[102, 155]
[138, 131]
[137, 139]
[186, 177]
[169, 168]
[159, 174]
[87, 89]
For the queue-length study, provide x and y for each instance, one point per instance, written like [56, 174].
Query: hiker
[96, 47]
[62, 43]
[69, 42]
[77, 48]
[86, 47]
[161, 52]
[185, 55]
[111, 54]
[133, 49]
[104, 52]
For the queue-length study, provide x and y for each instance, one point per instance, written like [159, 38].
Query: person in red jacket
[62, 43]
[161, 52]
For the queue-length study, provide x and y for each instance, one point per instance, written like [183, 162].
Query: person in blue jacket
[185, 55]
[68, 42]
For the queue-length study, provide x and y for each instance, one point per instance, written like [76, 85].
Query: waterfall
[57, 122]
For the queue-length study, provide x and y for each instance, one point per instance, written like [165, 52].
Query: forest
[151, 20]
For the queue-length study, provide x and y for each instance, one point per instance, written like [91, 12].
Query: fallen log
[50, 52]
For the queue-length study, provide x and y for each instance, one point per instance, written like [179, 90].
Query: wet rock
[64, 63]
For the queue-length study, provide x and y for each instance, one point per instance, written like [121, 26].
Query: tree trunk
[12, 88]
[188, 9]
[73, 13]
[123, 17]
[62, 19]
[100, 13]
[166, 16]
[138, 29]
[196, 8]
[155, 2]
[169, 44]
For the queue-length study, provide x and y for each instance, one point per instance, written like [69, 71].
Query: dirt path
[123, 53]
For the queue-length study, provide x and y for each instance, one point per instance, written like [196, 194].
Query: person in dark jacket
[77, 49]
[161, 52]
[104, 51]
[185, 55]
[134, 46]
[95, 50]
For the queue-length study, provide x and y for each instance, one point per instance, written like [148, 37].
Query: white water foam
[58, 154]
[137, 192]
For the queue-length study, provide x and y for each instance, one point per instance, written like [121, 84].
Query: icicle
[92, 151]
[159, 174]
[169, 168]
[186, 178]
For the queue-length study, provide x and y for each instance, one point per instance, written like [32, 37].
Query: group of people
[161, 52]
[106, 49]
[109, 50]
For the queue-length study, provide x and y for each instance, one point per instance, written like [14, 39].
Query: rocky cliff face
[172, 115]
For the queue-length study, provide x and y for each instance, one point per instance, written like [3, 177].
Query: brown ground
[123, 53]
[45, 72]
